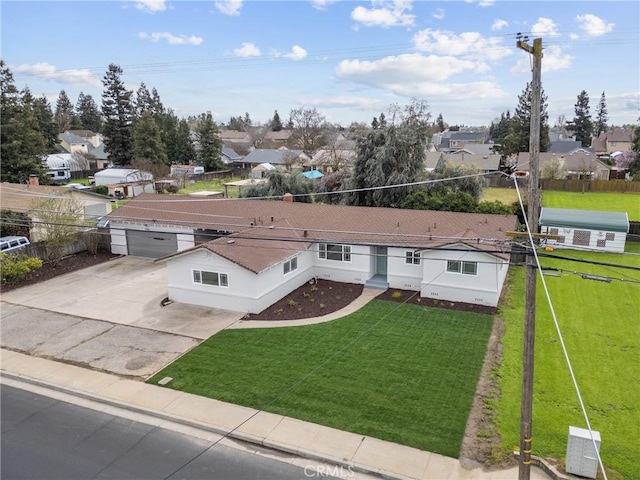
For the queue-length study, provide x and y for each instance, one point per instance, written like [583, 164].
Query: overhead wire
[559, 332]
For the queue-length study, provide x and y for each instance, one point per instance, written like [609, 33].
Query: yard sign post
[524, 471]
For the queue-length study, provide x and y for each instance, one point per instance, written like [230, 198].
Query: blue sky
[349, 59]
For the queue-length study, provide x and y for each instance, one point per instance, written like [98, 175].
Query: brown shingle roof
[318, 222]
[19, 197]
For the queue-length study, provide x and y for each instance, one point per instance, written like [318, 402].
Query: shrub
[291, 303]
[314, 288]
[322, 305]
[396, 295]
[102, 189]
[15, 267]
[173, 189]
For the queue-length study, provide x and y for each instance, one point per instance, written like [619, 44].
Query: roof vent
[231, 241]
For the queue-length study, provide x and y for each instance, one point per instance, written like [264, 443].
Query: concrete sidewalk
[308, 440]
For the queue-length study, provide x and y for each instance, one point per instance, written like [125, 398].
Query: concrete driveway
[127, 291]
[107, 317]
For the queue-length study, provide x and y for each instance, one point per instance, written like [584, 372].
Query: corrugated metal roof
[587, 219]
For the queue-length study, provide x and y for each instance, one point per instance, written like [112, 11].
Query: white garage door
[151, 244]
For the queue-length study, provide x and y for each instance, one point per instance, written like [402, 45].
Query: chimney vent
[287, 197]
[34, 180]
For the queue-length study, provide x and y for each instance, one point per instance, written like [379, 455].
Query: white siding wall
[358, 270]
[615, 245]
[401, 274]
[247, 291]
[482, 289]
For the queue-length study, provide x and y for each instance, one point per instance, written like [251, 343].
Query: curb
[247, 438]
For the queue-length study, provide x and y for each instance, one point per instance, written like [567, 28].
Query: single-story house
[484, 163]
[125, 182]
[331, 160]
[579, 165]
[261, 170]
[281, 157]
[261, 250]
[20, 197]
[585, 229]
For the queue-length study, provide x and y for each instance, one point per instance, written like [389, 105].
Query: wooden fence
[619, 186]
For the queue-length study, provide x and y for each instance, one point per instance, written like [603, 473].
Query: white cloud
[554, 59]
[438, 14]
[412, 67]
[467, 44]
[171, 39]
[545, 27]
[574, 36]
[486, 3]
[322, 4]
[151, 6]
[50, 72]
[297, 53]
[229, 7]
[357, 103]
[390, 14]
[247, 49]
[499, 24]
[593, 26]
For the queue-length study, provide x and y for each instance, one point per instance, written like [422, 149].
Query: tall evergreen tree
[143, 101]
[181, 150]
[117, 110]
[147, 142]
[440, 123]
[499, 128]
[65, 112]
[22, 146]
[276, 123]
[601, 116]
[391, 155]
[46, 123]
[210, 142]
[157, 108]
[88, 113]
[374, 123]
[582, 126]
[517, 140]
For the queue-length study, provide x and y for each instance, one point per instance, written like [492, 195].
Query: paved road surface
[45, 438]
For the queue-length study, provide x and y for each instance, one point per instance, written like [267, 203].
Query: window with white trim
[466, 268]
[412, 257]
[211, 278]
[290, 265]
[335, 252]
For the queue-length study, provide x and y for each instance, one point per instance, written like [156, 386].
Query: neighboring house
[262, 170]
[231, 159]
[615, 140]
[457, 140]
[20, 197]
[276, 139]
[281, 157]
[585, 229]
[125, 182]
[579, 166]
[88, 144]
[328, 161]
[484, 163]
[239, 141]
[567, 147]
[262, 250]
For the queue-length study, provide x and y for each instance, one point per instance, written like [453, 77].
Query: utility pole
[524, 471]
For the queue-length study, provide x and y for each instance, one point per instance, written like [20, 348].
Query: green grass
[397, 372]
[600, 201]
[216, 185]
[601, 329]
[504, 195]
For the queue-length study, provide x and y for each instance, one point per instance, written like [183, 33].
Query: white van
[13, 244]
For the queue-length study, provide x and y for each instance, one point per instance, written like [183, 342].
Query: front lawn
[599, 201]
[397, 372]
[505, 195]
[601, 329]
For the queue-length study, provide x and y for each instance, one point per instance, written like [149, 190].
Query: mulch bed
[311, 300]
[414, 298]
[68, 264]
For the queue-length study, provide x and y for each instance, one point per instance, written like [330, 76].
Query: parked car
[13, 244]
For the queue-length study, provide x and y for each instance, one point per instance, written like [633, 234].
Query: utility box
[582, 459]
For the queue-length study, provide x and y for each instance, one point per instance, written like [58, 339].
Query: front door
[381, 261]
